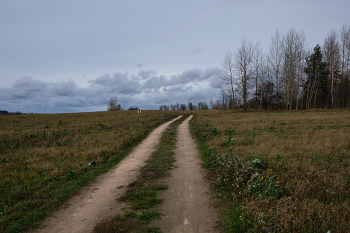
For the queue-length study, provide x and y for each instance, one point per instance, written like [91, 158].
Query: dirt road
[186, 205]
[98, 201]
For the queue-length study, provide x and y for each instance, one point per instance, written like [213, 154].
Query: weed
[258, 163]
[118, 217]
[71, 174]
[233, 131]
[149, 215]
[229, 141]
[271, 129]
[92, 164]
[272, 187]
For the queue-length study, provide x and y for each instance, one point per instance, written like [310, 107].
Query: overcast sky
[74, 56]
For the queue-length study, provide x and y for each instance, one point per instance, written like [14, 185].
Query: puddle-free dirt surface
[186, 205]
[98, 200]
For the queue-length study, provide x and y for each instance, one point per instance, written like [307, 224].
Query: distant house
[3, 113]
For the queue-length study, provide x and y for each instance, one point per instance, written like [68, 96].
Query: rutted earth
[186, 206]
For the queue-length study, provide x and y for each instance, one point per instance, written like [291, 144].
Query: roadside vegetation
[45, 159]
[278, 171]
[141, 198]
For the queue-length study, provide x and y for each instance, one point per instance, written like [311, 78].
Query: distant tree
[211, 103]
[172, 107]
[202, 106]
[163, 107]
[217, 105]
[183, 107]
[113, 106]
[190, 106]
[133, 108]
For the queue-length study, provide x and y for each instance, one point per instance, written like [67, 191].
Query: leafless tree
[258, 58]
[113, 106]
[212, 105]
[293, 62]
[275, 58]
[331, 49]
[183, 107]
[190, 106]
[244, 68]
[228, 74]
[345, 53]
[202, 106]
[224, 99]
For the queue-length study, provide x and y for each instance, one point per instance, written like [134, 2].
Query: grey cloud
[196, 50]
[146, 90]
[118, 83]
[140, 65]
[64, 88]
[146, 74]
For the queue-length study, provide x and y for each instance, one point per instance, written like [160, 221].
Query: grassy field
[278, 171]
[44, 159]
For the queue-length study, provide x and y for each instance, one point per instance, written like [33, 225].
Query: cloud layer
[147, 90]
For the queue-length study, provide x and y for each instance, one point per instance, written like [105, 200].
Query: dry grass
[45, 158]
[309, 153]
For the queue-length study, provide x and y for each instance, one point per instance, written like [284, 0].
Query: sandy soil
[186, 206]
[98, 200]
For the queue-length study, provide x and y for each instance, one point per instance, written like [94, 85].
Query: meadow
[278, 171]
[46, 158]
[270, 171]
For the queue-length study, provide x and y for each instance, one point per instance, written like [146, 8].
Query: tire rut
[186, 206]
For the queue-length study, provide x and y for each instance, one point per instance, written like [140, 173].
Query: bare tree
[345, 52]
[183, 107]
[331, 51]
[113, 106]
[224, 99]
[228, 74]
[212, 105]
[244, 68]
[258, 67]
[293, 65]
[202, 106]
[275, 58]
[190, 106]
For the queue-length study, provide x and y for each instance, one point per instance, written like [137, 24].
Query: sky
[73, 56]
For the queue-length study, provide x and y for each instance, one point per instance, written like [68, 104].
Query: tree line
[290, 75]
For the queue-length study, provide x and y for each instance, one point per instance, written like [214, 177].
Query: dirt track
[186, 206]
[96, 202]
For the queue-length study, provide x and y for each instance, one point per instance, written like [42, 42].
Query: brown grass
[309, 151]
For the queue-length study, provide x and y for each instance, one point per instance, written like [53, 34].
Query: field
[278, 171]
[44, 159]
[270, 171]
